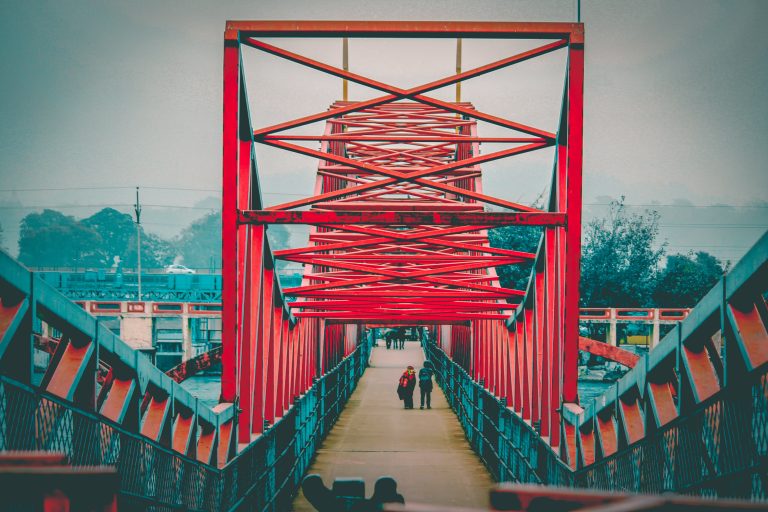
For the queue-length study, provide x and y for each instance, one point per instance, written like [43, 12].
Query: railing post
[299, 428]
[321, 406]
[451, 382]
[501, 447]
[478, 416]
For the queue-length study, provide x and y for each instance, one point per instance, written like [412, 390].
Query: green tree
[517, 238]
[52, 239]
[620, 261]
[117, 231]
[686, 279]
[279, 237]
[199, 242]
[156, 252]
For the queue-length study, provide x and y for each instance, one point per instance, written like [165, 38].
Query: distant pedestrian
[401, 337]
[405, 387]
[388, 338]
[425, 384]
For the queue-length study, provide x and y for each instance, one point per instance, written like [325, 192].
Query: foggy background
[100, 97]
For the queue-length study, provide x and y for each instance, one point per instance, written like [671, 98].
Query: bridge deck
[425, 451]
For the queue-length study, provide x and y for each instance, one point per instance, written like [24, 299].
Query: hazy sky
[119, 94]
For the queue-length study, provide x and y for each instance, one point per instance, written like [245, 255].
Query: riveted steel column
[229, 217]
[573, 229]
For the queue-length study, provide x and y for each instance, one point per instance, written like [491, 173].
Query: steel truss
[94, 370]
[691, 417]
[399, 237]
[399, 224]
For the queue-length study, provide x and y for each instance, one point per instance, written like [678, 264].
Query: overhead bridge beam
[395, 218]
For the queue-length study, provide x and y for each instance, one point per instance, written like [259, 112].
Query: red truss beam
[402, 218]
[413, 208]
[598, 348]
[449, 29]
[399, 224]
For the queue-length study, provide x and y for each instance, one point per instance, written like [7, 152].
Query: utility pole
[345, 65]
[137, 209]
[458, 69]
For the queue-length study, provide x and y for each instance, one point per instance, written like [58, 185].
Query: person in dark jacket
[405, 387]
[425, 384]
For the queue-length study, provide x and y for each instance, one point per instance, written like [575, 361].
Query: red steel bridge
[399, 224]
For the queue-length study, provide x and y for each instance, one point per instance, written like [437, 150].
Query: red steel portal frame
[399, 229]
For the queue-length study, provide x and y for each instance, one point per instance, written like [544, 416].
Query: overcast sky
[119, 94]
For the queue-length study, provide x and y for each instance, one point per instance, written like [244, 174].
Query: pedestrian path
[424, 450]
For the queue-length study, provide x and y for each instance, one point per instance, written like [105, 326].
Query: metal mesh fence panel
[265, 476]
[150, 475]
[719, 449]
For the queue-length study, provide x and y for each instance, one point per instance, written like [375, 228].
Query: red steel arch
[399, 228]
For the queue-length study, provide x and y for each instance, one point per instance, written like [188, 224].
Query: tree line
[621, 263]
[621, 257]
[52, 239]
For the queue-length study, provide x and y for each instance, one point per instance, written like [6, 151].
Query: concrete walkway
[424, 450]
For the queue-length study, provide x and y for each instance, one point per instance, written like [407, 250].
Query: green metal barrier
[264, 477]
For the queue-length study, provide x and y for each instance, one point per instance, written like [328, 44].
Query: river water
[207, 388]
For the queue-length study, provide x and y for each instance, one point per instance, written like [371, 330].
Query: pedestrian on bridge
[400, 338]
[405, 387]
[425, 384]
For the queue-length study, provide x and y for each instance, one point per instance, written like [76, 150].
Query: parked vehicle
[178, 269]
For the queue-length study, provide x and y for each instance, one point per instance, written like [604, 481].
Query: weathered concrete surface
[424, 450]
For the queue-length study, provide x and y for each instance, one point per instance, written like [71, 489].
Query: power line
[182, 206]
[60, 189]
[51, 189]
[694, 246]
[280, 193]
[63, 206]
[730, 226]
[684, 205]
[186, 189]
[176, 224]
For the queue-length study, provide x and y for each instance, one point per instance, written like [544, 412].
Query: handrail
[152, 474]
[690, 417]
[80, 328]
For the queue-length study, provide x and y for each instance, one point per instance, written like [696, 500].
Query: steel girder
[399, 222]
[95, 370]
[706, 380]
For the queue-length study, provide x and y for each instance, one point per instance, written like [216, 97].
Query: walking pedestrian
[425, 384]
[405, 387]
[388, 338]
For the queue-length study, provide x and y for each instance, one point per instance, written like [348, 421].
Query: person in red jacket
[405, 387]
